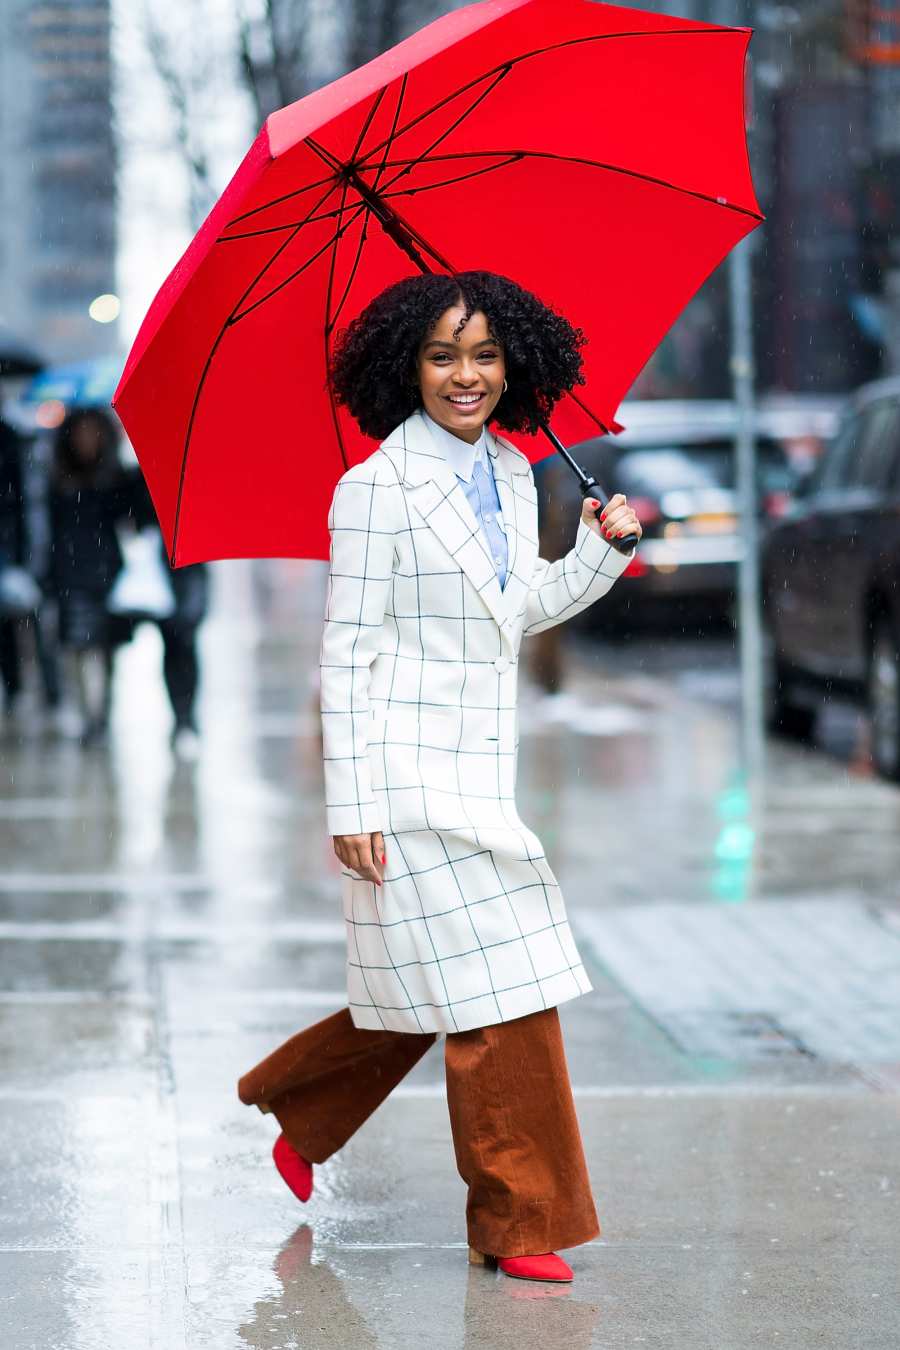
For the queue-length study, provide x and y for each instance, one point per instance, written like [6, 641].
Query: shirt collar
[460, 455]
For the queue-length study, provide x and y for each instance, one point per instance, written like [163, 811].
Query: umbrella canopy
[595, 154]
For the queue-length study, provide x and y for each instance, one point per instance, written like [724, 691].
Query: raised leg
[323, 1083]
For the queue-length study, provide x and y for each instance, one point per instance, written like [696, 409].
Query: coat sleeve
[361, 523]
[566, 587]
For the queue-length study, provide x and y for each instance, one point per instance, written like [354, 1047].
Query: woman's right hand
[362, 853]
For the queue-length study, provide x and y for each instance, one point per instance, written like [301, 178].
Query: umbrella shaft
[589, 487]
[585, 482]
[391, 223]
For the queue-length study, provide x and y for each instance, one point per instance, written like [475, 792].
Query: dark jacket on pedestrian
[86, 503]
[12, 509]
[85, 552]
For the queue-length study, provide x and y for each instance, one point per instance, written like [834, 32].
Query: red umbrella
[595, 154]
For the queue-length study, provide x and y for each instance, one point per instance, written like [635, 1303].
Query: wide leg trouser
[515, 1132]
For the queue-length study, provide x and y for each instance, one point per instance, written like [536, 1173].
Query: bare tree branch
[277, 50]
[196, 159]
[248, 66]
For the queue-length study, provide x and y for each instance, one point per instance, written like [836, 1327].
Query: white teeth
[464, 398]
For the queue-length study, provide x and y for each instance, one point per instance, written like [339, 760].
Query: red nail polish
[384, 857]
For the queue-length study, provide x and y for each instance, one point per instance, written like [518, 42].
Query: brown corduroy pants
[515, 1132]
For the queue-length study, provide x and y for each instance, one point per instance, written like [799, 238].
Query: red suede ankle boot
[295, 1171]
[549, 1267]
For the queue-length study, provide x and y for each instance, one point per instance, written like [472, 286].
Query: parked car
[676, 464]
[831, 580]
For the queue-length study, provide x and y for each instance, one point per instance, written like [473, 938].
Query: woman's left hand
[615, 521]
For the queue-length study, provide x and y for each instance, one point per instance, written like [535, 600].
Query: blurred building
[825, 150]
[57, 173]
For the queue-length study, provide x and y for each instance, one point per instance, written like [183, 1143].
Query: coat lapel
[433, 488]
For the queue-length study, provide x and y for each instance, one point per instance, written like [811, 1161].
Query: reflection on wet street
[166, 924]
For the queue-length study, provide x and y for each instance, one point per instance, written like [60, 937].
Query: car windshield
[664, 468]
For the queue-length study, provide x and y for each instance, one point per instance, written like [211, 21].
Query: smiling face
[461, 373]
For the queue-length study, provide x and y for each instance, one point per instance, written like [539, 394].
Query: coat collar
[461, 455]
[416, 457]
[435, 491]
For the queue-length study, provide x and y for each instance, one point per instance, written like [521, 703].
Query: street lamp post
[742, 384]
[749, 620]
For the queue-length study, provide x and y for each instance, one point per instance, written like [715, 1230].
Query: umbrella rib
[324, 154]
[331, 319]
[452, 127]
[353, 270]
[498, 71]
[506, 66]
[376, 104]
[585, 409]
[208, 365]
[330, 286]
[390, 140]
[516, 155]
[512, 158]
[342, 230]
[277, 200]
[327, 329]
[277, 229]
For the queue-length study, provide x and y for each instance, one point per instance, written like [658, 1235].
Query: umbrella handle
[589, 488]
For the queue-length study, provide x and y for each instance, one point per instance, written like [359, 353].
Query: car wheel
[884, 699]
[784, 715]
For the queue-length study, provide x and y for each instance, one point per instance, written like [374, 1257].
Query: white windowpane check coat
[419, 662]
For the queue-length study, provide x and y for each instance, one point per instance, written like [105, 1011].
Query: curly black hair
[373, 369]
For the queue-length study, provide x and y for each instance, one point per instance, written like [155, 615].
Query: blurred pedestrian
[12, 556]
[86, 504]
[178, 629]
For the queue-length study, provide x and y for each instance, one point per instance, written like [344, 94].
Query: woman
[86, 502]
[455, 922]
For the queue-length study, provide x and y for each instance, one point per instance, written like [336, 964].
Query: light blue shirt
[473, 468]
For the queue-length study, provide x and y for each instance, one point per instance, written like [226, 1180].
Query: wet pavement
[737, 1068]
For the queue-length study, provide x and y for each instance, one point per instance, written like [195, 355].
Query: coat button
[501, 664]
